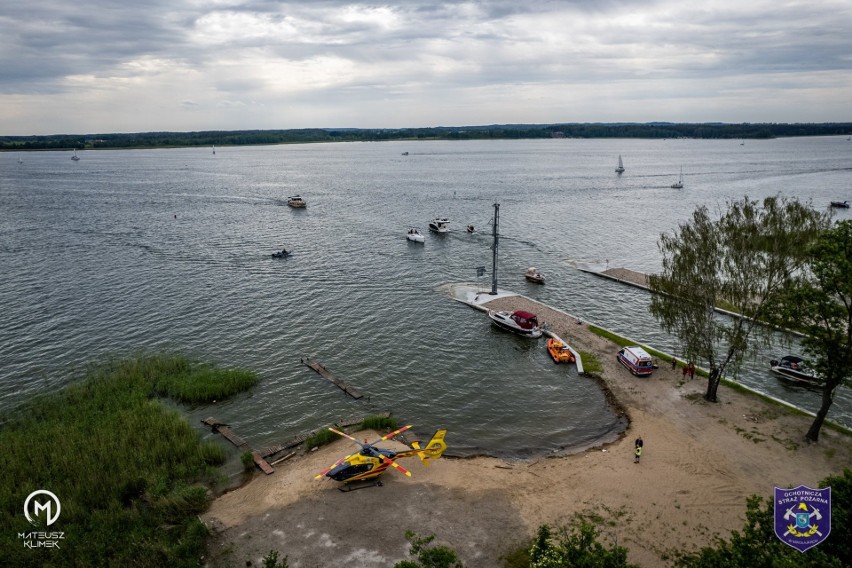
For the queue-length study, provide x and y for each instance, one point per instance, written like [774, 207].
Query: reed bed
[131, 474]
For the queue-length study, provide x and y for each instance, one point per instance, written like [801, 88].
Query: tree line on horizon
[653, 130]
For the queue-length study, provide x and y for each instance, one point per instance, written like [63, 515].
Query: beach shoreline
[700, 462]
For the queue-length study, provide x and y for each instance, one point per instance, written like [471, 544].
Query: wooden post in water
[494, 256]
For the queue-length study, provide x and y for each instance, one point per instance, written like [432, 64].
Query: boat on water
[679, 183]
[470, 229]
[75, 157]
[533, 275]
[840, 204]
[620, 168]
[793, 369]
[296, 201]
[559, 352]
[519, 321]
[405, 153]
[281, 253]
[439, 225]
[415, 235]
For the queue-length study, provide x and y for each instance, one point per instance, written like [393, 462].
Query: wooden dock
[325, 373]
[239, 442]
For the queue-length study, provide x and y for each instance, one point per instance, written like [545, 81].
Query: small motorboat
[415, 235]
[296, 201]
[439, 225]
[841, 204]
[795, 370]
[470, 229]
[281, 253]
[519, 321]
[405, 153]
[534, 275]
[559, 351]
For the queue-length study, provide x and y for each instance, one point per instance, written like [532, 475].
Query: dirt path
[700, 462]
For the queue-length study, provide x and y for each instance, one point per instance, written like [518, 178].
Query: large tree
[741, 261]
[819, 303]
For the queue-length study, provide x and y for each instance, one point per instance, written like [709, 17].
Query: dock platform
[239, 442]
[338, 382]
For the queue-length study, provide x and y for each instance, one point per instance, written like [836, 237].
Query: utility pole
[496, 238]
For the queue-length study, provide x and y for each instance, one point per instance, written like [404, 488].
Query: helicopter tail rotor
[434, 449]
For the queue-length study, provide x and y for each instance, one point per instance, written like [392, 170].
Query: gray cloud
[339, 62]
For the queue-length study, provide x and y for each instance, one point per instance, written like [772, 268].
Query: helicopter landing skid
[360, 485]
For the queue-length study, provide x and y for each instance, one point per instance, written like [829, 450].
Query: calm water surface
[170, 249]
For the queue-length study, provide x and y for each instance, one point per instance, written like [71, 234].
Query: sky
[98, 66]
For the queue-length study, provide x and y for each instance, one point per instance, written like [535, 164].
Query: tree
[575, 547]
[819, 303]
[428, 556]
[741, 261]
[758, 547]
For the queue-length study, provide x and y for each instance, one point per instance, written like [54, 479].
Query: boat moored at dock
[793, 369]
[519, 321]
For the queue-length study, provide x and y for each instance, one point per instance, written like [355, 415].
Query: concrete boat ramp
[476, 297]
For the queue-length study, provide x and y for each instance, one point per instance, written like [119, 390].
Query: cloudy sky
[119, 66]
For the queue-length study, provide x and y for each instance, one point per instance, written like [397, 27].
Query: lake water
[131, 250]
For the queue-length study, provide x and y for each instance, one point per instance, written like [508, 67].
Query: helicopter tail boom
[433, 450]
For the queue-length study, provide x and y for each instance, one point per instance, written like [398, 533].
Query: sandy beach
[700, 463]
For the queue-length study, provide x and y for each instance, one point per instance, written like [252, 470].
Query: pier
[325, 373]
[239, 442]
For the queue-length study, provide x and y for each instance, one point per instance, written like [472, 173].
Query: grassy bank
[129, 472]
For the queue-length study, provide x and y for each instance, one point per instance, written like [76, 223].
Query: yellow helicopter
[371, 461]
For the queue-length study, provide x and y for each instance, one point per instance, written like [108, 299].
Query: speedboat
[281, 253]
[520, 322]
[415, 235]
[795, 370]
[296, 201]
[841, 204]
[559, 351]
[439, 225]
[534, 275]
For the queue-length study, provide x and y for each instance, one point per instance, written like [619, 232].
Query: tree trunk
[827, 399]
[712, 384]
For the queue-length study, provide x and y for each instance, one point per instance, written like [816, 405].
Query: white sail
[620, 167]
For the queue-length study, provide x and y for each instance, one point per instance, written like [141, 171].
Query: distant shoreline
[650, 130]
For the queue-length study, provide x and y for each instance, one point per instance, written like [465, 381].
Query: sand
[700, 463]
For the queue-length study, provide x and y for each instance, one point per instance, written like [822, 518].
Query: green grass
[320, 438]
[131, 474]
[591, 363]
[379, 423]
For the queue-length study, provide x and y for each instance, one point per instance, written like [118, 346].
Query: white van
[636, 360]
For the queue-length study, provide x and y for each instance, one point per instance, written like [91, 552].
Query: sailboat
[75, 157]
[214, 148]
[620, 168]
[679, 183]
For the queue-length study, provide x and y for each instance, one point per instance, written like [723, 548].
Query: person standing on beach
[637, 451]
[674, 363]
[691, 370]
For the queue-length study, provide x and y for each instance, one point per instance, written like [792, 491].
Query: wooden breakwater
[239, 442]
[338, 382]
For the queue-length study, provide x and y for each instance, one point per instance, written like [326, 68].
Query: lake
[127, 251]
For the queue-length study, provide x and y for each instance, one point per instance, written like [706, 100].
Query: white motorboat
[439, 225]
[519, 321]
[296, 201]
[415, 235]
[795, 370]
[533, 275]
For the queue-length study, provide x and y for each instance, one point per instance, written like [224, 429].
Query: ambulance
[636, 360]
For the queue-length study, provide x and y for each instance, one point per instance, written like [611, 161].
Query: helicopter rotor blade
[396, 465]
[392, 434]
[345, 435]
